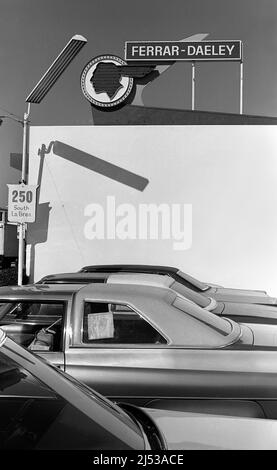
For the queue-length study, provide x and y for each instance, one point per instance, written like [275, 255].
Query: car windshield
[64, 423]
[195, 282]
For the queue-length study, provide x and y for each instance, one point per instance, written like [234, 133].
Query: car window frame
[83, 345]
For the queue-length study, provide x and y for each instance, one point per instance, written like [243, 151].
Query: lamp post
[21, 226]
[40, 90]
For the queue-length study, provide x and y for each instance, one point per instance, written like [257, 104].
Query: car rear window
[111, 323]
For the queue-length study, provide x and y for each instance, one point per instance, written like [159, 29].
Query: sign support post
[241, 89]
[21, 251]
[193, 86]
[21, 226]
[25, 138]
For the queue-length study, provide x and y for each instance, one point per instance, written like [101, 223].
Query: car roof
[126, 292]
[118, 291]
[187, 279]
[140, 279]
[38, 291]
[77, 277]
[115, 278]
[159, 280]
[156, 304]
[124, 267]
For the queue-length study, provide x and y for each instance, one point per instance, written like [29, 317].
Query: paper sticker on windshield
[100, 326]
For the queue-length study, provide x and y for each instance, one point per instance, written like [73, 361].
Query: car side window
[24, 310]
[35, 325]
[111, 323]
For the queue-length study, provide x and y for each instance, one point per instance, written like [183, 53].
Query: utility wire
[11, 114]
[65, 212]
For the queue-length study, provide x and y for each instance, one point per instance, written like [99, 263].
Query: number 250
[22, 196]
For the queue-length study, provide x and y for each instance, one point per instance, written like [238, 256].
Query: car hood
[264, 335]
[237, 309]
[241, 295]
[188, 431]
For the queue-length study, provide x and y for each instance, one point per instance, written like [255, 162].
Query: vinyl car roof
[126, 292]
[140, 279]
[158, 280]
[116, 278]
[33, 291]
[74, 277]
[156, 305]
[144, 268]
[135, 267]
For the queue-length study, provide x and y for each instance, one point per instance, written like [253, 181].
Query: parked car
[241, 312]
[210, 290]
[146, 345]
[42, 408]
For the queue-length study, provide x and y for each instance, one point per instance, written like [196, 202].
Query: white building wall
[227, 173]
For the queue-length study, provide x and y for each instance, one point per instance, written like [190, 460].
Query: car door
[115, 350]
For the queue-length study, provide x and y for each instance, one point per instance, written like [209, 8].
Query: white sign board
[22, 203]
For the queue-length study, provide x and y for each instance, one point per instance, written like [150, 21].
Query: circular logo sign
[103, 81]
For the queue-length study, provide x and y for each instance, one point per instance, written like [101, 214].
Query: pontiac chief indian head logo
[107, 80]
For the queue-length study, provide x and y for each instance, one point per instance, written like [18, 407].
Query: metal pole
[21, 226]
[241, 89]
[25, 137]
[193, 86]
[20, 254]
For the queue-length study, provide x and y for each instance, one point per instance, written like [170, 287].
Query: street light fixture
[40, 90]
[55, 70]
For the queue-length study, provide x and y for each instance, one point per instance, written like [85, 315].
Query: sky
[32, 33]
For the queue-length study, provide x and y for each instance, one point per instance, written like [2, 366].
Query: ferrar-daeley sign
[156, 51]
